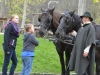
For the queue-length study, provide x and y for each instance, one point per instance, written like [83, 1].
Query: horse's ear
[51, 10]
[42, 9]
[72, 13]
[67, 10]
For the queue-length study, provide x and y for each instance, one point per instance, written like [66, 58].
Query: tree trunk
[24, 14]
[2, 8]
[81, 7]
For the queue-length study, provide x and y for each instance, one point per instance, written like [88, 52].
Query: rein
[64, 31]
[53, 37]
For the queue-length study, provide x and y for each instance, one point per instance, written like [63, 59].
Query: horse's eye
[65, 19]
[68, 21]
[48, 21]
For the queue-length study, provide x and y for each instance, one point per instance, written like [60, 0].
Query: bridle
[64, 29]
[71, 21]
[50, 19]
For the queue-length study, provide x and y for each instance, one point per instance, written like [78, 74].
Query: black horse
[49, 20]
[69, 22]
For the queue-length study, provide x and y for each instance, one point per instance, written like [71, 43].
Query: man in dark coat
[83, 53]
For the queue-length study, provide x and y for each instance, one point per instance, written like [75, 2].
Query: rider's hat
[87, 14]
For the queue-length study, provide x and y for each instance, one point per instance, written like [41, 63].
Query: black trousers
[7, 58]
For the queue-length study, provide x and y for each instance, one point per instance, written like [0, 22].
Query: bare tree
[2, 8]
[24, 14]
[81, 7]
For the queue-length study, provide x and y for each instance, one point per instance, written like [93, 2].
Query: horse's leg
[97, 67]
[97, 59]
[67, 54]
[61, 56]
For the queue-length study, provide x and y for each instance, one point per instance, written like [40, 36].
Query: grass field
[46, 59]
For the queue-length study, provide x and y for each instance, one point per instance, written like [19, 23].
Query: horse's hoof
[67, 74]
[63, 73]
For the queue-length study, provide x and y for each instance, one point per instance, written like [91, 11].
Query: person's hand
[73, 33]
[8, 52]
[85, 54]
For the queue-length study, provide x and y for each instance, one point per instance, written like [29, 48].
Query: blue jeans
[27, 65]
[7, 58]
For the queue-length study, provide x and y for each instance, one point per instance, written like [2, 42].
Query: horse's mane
[39, 17]
[96, 26]
[56, 16]
[77, 21]
[55, 20]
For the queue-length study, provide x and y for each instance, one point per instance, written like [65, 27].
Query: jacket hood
[26, 36]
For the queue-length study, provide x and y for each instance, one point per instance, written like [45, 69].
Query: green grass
[46, 59]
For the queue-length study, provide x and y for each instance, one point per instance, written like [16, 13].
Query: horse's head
[67, 24]
[45, 20]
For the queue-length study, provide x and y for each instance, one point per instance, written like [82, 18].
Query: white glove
[73, 33]
[87, 49]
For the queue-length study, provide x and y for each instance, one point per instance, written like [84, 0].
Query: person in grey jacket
[29, 43]
[83, 54]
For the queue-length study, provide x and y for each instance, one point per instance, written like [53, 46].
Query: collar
[85, 24]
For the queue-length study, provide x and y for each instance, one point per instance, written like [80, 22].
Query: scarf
[15, 28]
